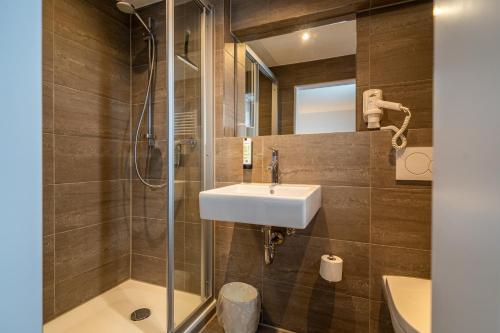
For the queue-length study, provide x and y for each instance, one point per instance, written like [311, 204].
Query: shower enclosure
[128, 146]
[190, 140]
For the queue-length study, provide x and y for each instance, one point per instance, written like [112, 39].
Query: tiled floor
[214, 327]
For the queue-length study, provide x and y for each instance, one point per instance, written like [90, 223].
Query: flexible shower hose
[151, 72]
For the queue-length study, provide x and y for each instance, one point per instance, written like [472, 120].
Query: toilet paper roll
[331, 268]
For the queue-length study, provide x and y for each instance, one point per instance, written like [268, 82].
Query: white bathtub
[110, 311]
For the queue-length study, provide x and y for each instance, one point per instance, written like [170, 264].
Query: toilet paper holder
[331, 268]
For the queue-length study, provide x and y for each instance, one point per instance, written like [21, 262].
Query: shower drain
[140, 314]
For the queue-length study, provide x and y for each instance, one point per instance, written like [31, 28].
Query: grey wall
[20, 192]
[466, 210]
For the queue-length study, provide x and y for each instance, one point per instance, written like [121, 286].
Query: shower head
[125, 7]
[128, 8]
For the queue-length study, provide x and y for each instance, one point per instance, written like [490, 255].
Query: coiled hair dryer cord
[399, 131]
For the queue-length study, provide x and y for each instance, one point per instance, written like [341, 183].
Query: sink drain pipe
[271, 240]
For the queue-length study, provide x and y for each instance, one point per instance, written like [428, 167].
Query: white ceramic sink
[291, 206]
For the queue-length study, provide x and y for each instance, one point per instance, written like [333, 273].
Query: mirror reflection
[301, 82]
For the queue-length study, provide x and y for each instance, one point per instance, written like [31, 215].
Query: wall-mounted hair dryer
[373, 106]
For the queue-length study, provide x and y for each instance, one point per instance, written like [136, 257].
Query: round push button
[417, 163]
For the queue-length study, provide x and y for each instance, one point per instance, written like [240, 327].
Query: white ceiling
[142, 3]
[327, 41]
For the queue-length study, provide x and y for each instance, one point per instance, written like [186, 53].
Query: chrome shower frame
[203, 313]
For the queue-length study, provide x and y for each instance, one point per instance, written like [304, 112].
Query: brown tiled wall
[148, 205]
[394, 50]
[265, 105]
[395, 54]
[101, 225]
[257, 18]
[224, 62]
[86, 111]
[378, 226]
[319, 71]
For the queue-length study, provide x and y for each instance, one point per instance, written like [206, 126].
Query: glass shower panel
[189, 277]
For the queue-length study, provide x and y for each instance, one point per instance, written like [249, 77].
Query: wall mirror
[300, 82]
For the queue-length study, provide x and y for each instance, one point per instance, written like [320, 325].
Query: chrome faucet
[274, 167]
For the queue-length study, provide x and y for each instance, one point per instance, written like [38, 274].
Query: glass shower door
[191, 169]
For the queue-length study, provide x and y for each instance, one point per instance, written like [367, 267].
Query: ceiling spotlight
[306, 36]
[446, 10]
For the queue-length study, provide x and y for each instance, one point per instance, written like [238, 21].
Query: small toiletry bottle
[247, 153]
